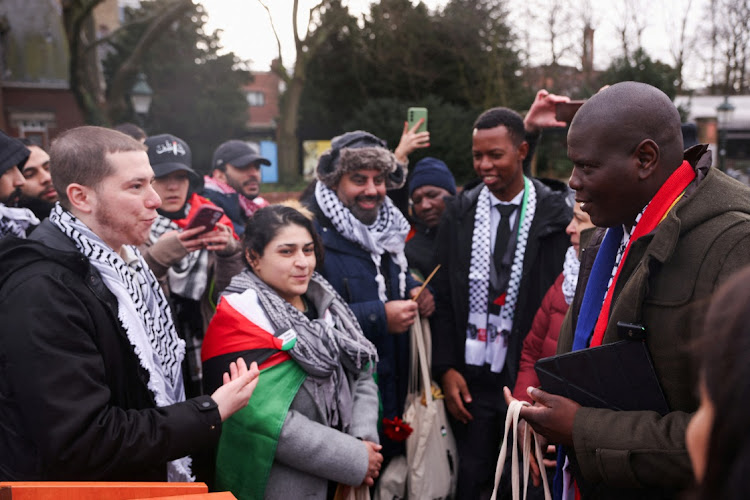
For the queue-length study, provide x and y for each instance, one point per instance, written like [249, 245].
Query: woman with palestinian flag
[312, 422]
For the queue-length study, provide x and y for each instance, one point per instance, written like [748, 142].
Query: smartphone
[207, 216]
[413, 115]
[565, 111]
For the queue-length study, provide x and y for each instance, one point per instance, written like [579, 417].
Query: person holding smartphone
[193, 263]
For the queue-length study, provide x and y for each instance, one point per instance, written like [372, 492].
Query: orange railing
[55, 490]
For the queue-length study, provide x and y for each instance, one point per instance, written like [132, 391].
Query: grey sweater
[310, 453]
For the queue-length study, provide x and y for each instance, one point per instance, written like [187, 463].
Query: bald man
[672, 229]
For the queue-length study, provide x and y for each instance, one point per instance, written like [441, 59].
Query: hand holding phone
[565, 111]
[415, 134]
[206, 216]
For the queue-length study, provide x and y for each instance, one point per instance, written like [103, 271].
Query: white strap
[420, 363]
[511, 418]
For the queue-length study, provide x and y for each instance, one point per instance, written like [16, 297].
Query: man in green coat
[672, 230]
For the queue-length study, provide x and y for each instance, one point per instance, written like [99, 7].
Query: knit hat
[168, 153]
[432, 172]
[359, 150]
[238, 153]
[12, 153]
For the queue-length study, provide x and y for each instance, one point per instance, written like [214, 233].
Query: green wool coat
[665, 285]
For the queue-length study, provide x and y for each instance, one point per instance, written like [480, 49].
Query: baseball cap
[239, 153]
[168, 153]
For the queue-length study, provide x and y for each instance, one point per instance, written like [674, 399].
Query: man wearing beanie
[364, 235]
[193, 266]
[13, 156]
[430, 183]
[234, 184]
[501, 244]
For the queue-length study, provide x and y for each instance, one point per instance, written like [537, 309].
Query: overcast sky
[247, 30]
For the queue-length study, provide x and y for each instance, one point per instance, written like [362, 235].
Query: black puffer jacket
[545, 253]
[74, 402]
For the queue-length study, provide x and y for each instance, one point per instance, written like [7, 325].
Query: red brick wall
[58, 101]
[268, 83]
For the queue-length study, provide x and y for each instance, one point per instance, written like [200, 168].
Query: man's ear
[647, 157]
[80, 198]
[523, 150]
[219, 175]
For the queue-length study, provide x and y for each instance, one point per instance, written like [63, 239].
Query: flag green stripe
[248, 440]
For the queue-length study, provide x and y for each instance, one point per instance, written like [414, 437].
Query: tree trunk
[289, 171]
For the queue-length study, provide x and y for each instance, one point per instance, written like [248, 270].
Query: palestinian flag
[248, 440]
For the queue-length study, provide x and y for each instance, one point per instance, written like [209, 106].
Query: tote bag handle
[511, 421]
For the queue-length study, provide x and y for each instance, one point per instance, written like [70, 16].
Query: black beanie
[12, 153]
[432, 172]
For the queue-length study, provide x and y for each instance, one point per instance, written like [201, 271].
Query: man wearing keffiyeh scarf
[91, 382]
[364, 236]
[501, 244]
[13, 156]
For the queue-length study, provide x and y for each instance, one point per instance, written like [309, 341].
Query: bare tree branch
[273, 28]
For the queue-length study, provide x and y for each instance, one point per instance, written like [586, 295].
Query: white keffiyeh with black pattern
[387, 234]
[144, 314]
[189, 277]
[486, 341]
[571, 267]
[15, 221]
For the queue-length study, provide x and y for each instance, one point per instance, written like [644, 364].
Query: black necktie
[501, 241]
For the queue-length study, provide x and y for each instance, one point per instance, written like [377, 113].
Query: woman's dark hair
[725, 370]
[266, 223]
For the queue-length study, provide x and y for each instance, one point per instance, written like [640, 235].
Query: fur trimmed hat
[359, 150]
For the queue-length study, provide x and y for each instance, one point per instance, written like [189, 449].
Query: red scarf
[669, 193]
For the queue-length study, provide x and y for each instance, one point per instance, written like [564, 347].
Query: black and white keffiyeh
[326, 347]
[143, 313]
[189, 277]
[15, 221]
[485, 340]
[570, 274]
[623, 245]
[386, 234]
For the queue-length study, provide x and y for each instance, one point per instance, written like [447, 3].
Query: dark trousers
[478, 441]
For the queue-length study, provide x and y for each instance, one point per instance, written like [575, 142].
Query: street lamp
[141, 96]
[724, 116]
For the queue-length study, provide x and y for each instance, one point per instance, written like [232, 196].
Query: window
[256, 98]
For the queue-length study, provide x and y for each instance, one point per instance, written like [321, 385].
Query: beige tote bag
[430, 449]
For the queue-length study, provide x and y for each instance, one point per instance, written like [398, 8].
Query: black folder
[618, 376]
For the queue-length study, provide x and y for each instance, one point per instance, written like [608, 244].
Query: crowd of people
[261, 351]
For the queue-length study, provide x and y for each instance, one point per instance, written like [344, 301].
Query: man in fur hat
[364, 236]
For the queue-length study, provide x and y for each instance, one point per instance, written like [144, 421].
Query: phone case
[206, 216]
[414, 114]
